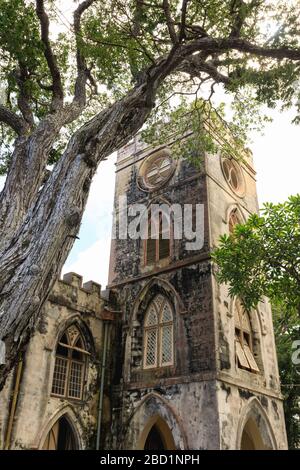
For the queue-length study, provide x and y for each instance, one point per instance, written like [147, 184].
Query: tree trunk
[27, 171]
[41, 238]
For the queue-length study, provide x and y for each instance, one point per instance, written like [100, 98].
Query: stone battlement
[75, 280]
[71, 292]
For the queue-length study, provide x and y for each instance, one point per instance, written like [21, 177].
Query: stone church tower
[163, 359]
[193, 370]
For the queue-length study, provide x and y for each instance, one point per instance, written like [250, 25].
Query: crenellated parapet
[84, 297]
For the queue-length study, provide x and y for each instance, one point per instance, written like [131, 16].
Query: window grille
[75, 382]
[158, 334]
[59, 376]
[151, 347]
[70, 362]
[167, 345]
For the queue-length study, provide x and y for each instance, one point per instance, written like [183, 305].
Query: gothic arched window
[158, 241]
[244, 339]
[158, 334]
[70, 362]
[233, 220]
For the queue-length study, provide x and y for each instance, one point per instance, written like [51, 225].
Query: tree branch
[275, 53]
[13, 120]
[80, 90]
[57, 88]
[183, 20]
[221, 45]
[22, 76]
[195, 64]
[170, 22]
[237, 11]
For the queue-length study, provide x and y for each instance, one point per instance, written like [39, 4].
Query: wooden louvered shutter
[151, 244]
[151, 251]
[164, 243]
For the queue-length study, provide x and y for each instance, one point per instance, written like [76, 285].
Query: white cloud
[277, 159]
[90, 254]
[99, 206]
[92, 263]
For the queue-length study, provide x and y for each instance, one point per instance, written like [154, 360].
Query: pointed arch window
[158, 242]
[158, 334]
[233, 220]
[244, 339]
[70, 363]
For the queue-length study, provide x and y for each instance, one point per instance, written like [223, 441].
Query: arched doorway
[61, 436]
[251, 437]
[156, 435]
[154, 410]
[154, 440]
[254, 429]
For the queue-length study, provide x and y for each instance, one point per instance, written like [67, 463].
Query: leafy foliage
[287, 331]
[121, 40]
[262, 256]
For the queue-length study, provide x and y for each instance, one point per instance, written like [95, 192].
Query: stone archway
[254, 431]
[156, 435]
[61, 436]
[154, 423]
[251, 437]
[70, 425]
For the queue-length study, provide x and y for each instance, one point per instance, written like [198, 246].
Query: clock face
[156, 170]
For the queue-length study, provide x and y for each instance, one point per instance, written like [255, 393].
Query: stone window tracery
[158, 334]
[70, 362]
[233, 175]
[156, 170]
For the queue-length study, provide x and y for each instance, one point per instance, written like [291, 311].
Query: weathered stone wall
[186, 186]
[204, 398]
[239, 386]
[189, 409]
[238, 403]
[37, 410]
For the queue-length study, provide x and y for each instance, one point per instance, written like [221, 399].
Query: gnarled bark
[38, 247]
